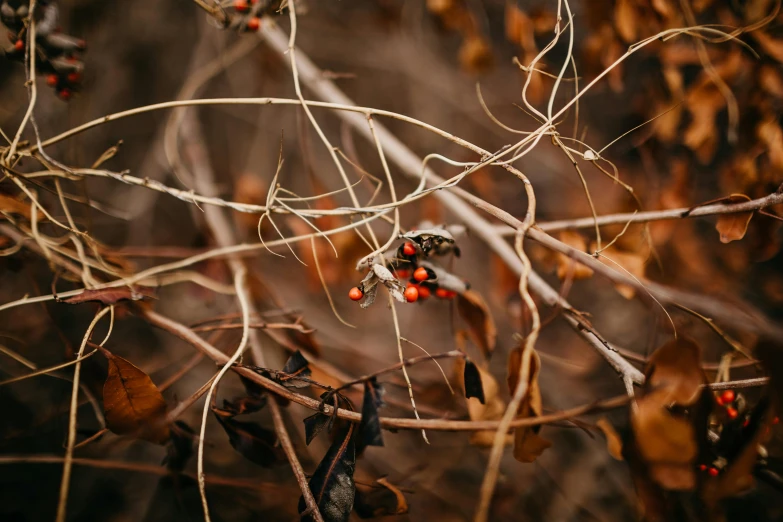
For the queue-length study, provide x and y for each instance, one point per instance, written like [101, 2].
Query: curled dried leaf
[528, 444]
[475, 312]
[732, 227]
[614, 443]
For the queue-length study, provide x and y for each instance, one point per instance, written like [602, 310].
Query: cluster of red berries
[727, 400]
[58, 56]
[249, 12]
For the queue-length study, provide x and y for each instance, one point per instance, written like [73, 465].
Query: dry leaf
[625, 20]
[614, 443]
[528, 444]
[492, 409]
[770, 134]
[109, 296]
[474, 311]
[11, 205]
[566, 265]
[771, 46]
[732, 227]
[475, 55]
[132, 404]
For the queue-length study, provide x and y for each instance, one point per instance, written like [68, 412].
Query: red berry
[408, 249]
[74, 77]
[746, 423]
[444, 294]
[19, 45]
[51, 80]
[240, 5]
[728, 396]
[703, 467]
[254, 24]
[411, 294]
[731, 412]
[64, 94]
[713, 472]
[355, 293]
[403, 273]
[719, 400]
[776, 420]
[424, 292]
[420, 274]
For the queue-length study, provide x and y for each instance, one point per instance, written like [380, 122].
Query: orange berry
[240, 5]
[703, 467]
[713, 472]
[731, 412]
[19, 45]
[411, 294]
[355, 293]
[403, 273]
[728, 396]
[444, 294]
[254, 24]
[74, 77]
[51, 80]
[420, 274]
[424, 292]
[408, 249]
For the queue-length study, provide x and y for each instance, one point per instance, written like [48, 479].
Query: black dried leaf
[332, 483]
[258, 445]
[242, 406]
[296, 369]
[253, 389]
[180, 446]
[472, 378]
[314, 424]
[370, 426]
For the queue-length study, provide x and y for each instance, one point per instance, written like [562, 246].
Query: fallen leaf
[474, 310]
[614, 443]
[132, 404]
[732, 227]
[528, 444]
[332, 482]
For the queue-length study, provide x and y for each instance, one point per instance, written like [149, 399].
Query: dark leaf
[370, 427]
[244, 405]
[132, 404]
[472, 377]
[180, 446]
[332, 483]
[314, 424]
[110, 296]
[296, 367]
[256, 444]
[379, 502]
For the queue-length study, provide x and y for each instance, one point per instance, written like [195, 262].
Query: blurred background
[422, 59]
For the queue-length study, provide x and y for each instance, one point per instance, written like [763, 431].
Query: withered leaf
[614, 443]
[625, 19]
[314, 424]
[332, 482]
[132, 404]
[180, 446]
[475, 312]
[472, 381]
[11, 205]
[109, 296]
[296, 368]
[491, 408]
[370, 427]
[569, 267]
[528, 444]
[732, 227]
[257, 444]
[379, 502]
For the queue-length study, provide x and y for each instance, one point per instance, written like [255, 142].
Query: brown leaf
[771, 46]
[631, 262]
[625, 20]
[732, 227]
[475, 312]
[109, 296]
[493, 406]
[132, 404]
[11, 205]
[528, 444]
[475, 55]
[614, 443]
[566, 265]
[771, 135]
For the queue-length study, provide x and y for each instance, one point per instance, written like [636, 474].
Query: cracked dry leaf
[528, 444]
[732, 227]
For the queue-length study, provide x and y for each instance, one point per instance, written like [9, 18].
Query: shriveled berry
[355, 293]
[51, 80]
[254, 24]
[731, 412]
[424, 292]
[408, 249]
[713, 472]
[241, 6]
[728, 396]
[411, 294]
[19, 45]
[420, 274]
